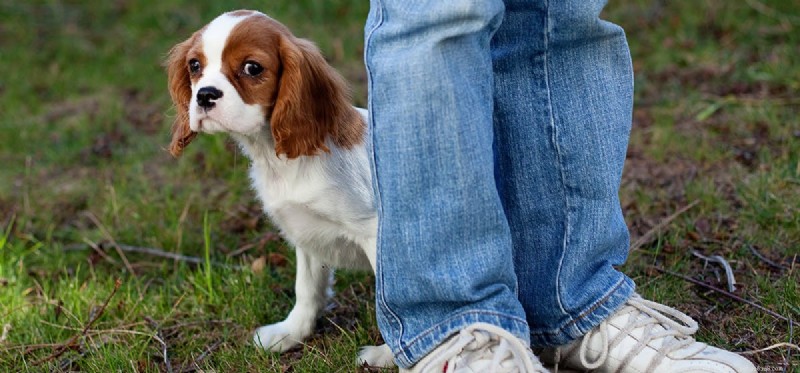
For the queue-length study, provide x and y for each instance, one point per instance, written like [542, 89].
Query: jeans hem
[587, 318]
[418, 347]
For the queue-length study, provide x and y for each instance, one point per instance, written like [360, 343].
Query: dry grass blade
[770, 348]
[109, 237]
[648, 236]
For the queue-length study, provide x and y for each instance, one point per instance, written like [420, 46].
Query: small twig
[158, 253]
[648, 236]
[208, 351]
[242, 249]
[160, 337]
[193, 366]
[723, 292]
[71, 342]
[161, 253]
[268, 237]
[99, 251]
[725, 265]
[765, 259]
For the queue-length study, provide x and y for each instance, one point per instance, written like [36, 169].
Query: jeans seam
[380, 300]
[559, 159]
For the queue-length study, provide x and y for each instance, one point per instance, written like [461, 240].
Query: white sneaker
[645, 337]
[483, 348]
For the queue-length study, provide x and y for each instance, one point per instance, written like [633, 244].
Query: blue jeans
[499, 134]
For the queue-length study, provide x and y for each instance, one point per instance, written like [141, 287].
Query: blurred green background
[84, 178]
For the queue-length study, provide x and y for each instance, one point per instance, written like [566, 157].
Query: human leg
[563, 91]
[563, 100]
[444, 246]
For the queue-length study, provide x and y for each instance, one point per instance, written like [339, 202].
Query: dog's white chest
[311, 216]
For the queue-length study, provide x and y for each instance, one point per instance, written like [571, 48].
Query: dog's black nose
[207, 95]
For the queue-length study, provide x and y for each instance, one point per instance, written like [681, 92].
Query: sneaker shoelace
[478, 350]
[673, 327]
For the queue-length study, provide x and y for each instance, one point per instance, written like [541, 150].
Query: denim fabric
[499, 135]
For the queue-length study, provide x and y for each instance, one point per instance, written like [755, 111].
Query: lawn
[91, 202]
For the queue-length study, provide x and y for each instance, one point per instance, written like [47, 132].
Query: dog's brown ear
[313, 103]
[180, 89]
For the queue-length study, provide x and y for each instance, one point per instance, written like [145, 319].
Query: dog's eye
[194, 66]
[252, 68]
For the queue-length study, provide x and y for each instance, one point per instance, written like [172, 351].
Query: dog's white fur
[323, 204]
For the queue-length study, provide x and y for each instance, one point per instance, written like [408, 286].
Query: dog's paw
[375, 356]
[278, 337]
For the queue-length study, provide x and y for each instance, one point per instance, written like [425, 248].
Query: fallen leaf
[258, 265]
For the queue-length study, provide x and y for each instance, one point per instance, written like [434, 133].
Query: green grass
[82, 148]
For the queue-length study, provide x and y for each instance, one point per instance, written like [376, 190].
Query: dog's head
[244, 71]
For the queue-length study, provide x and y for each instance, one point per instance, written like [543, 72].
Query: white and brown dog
[247, 75]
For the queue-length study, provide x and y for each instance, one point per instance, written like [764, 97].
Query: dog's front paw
[278, 337]
[375, 356]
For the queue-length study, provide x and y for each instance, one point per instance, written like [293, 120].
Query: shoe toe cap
[715, 360]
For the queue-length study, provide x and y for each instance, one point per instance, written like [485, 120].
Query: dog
[245, 74]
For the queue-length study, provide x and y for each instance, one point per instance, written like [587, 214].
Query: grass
[207, 256]
[85, 124]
